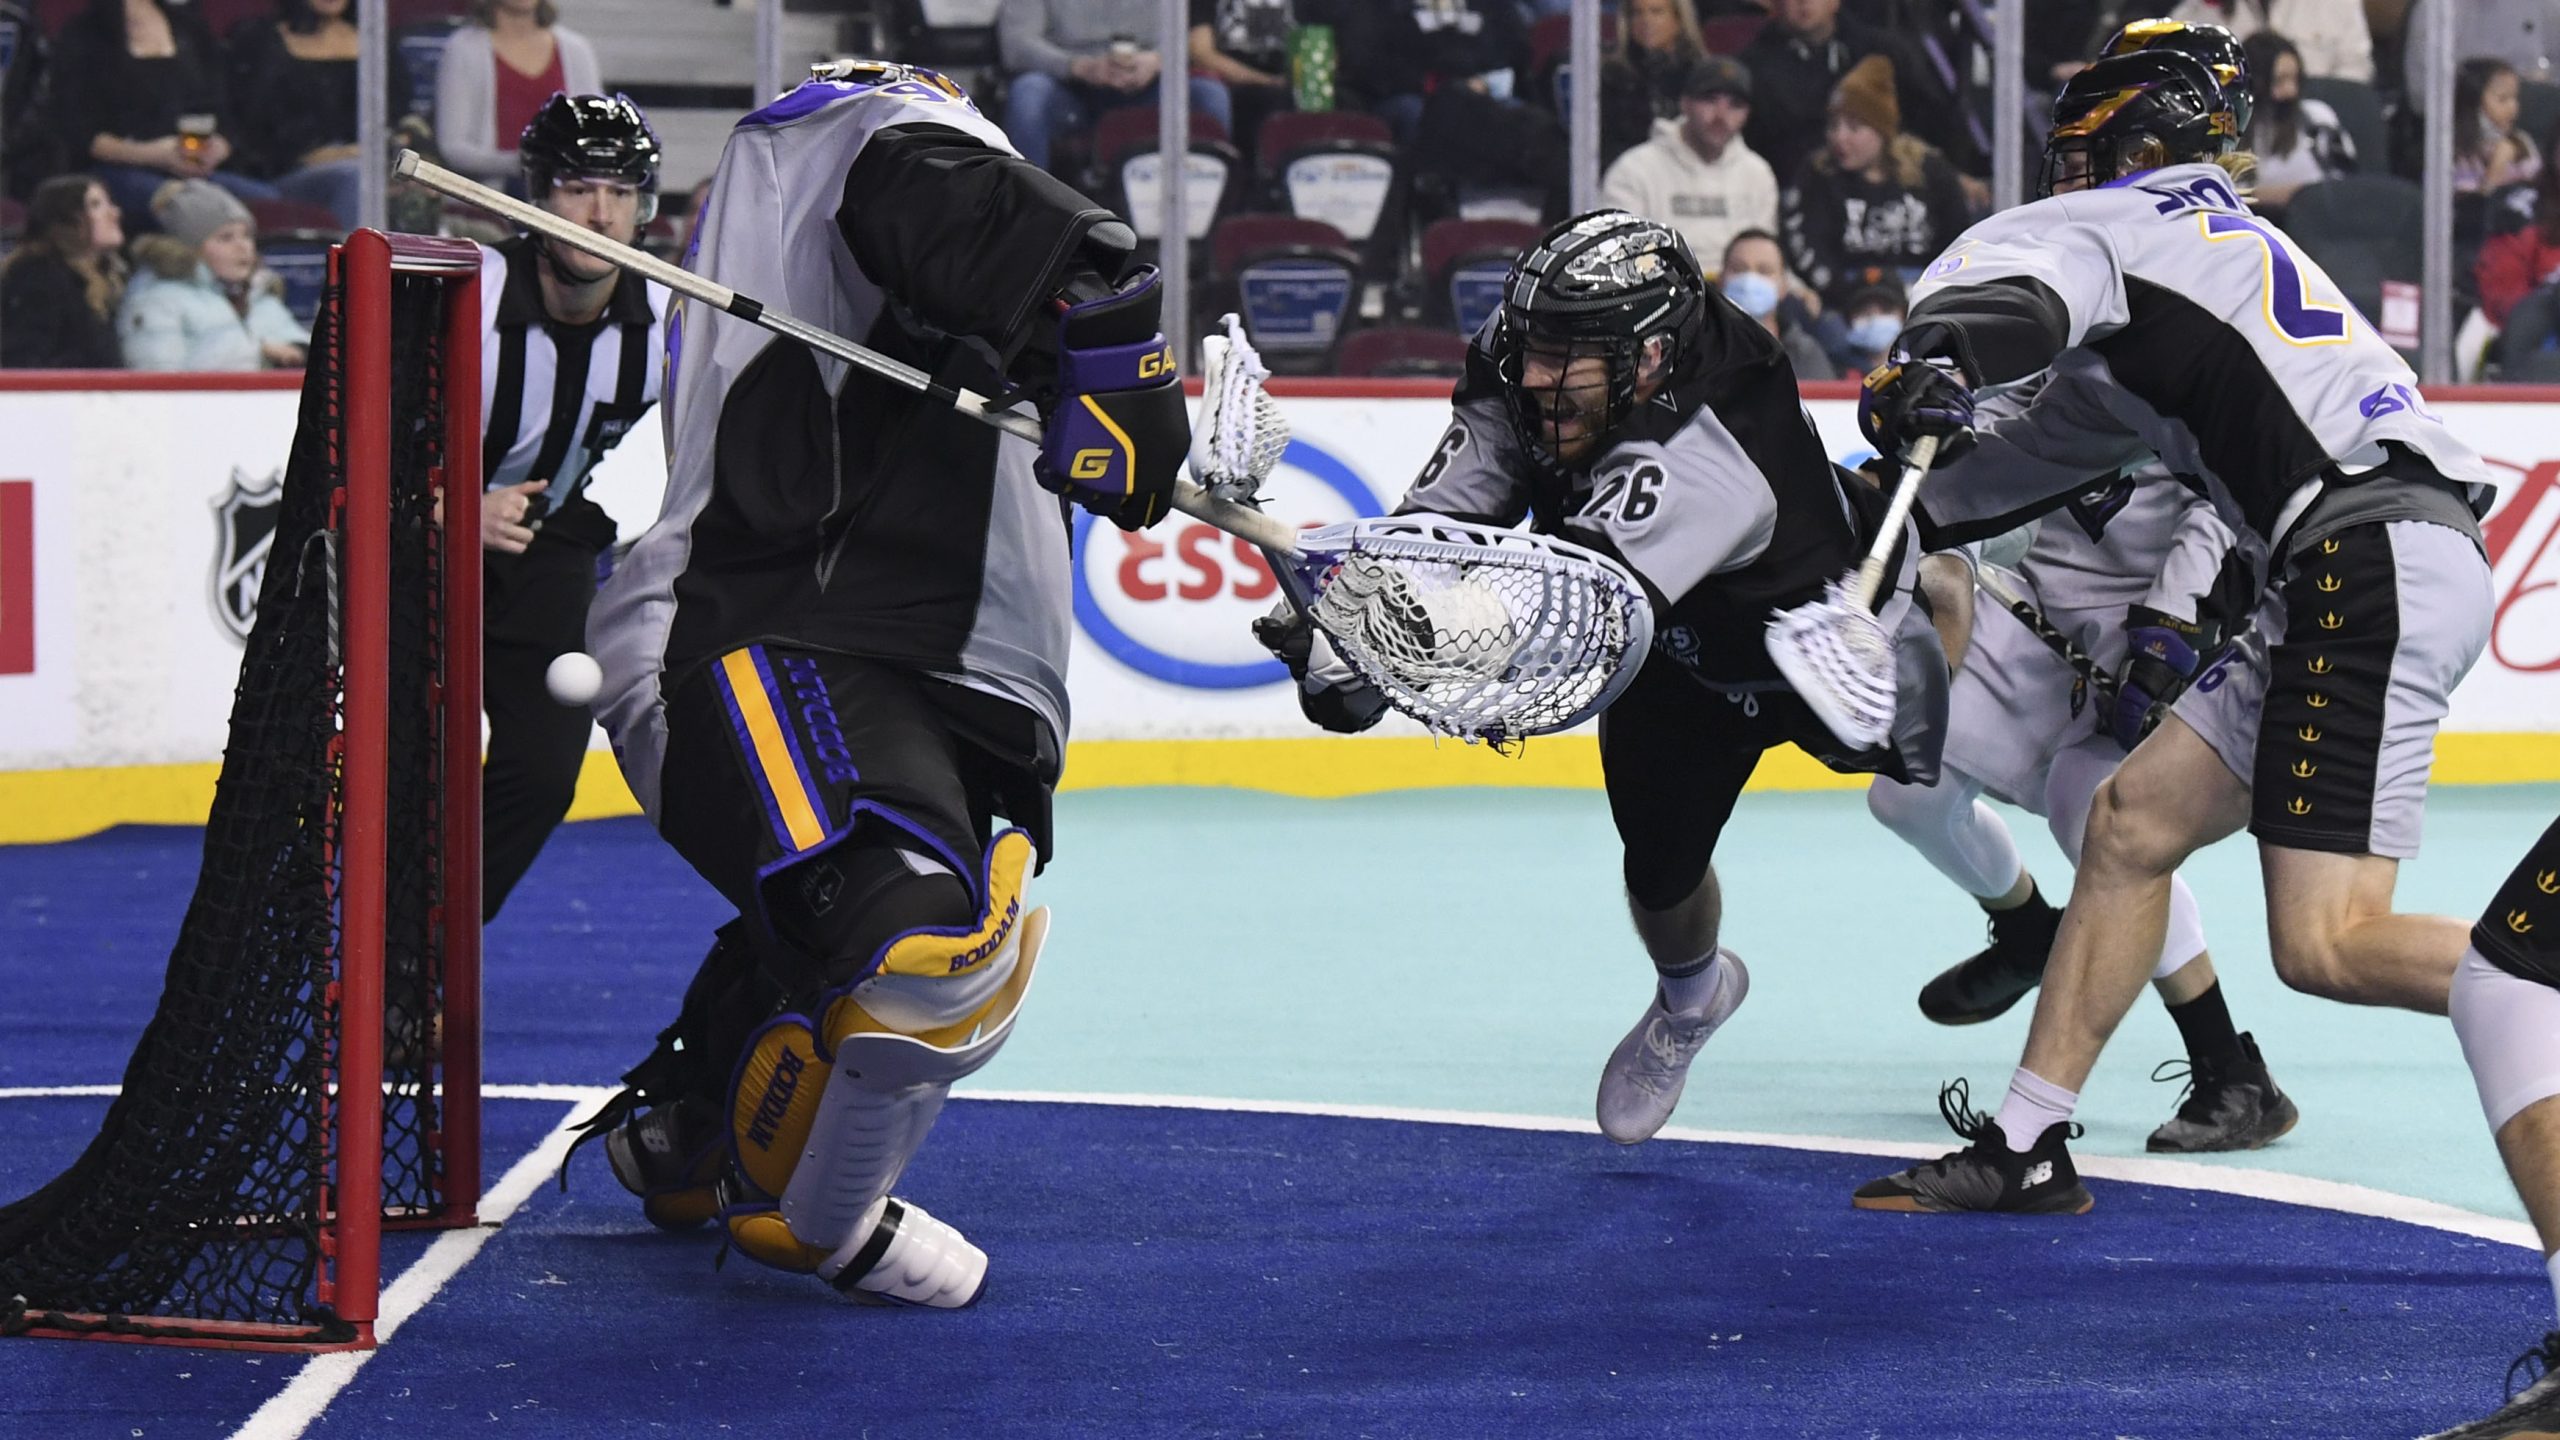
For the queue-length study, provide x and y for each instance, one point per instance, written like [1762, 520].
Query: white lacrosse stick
[1476, 632]
[1834, 651]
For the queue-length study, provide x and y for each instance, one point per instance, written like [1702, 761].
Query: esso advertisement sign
[1177, 602]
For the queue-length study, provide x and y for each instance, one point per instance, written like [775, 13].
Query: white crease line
[291, 1410]
[2238, 1180]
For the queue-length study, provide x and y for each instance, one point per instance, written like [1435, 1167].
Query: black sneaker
[671, 1157]
[1985, 1175]
[2532, 1413]
[1984, 986]
[2228, 1105]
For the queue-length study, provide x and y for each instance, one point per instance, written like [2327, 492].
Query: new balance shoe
[670, 1156]
[1985, 984]
[1986, 1175]
[2230, 1105]
[2532, 1413]
[1649, 1069]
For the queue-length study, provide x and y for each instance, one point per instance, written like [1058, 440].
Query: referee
[571, 355]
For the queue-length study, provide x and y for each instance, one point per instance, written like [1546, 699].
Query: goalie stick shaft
[1238, 520]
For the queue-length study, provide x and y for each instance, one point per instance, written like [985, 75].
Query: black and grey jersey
[555, 398]
[2177, 324]
[1716, 493]
[812, 505]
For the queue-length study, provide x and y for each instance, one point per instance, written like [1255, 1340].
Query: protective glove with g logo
[2162, 659]
[1116, 436]
[1330, 692]
[1904, 399]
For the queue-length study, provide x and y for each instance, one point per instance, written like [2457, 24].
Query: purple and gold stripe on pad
[757, 709]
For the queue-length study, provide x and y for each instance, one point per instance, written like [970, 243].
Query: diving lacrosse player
[2179, 324]
[1617, 400]
[838, 658]
[2130, 573]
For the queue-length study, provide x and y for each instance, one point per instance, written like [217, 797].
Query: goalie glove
[2163, 656]
[1115, 438]
[1330, 693]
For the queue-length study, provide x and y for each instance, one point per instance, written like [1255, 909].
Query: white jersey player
[2190, 329]
[2133, 564]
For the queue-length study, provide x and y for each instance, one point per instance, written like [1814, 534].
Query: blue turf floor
[1206, 1272]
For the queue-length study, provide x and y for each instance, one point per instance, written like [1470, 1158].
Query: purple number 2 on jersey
[2290, 310]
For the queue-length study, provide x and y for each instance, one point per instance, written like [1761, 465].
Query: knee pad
[824, 1114]
[2507, 1025]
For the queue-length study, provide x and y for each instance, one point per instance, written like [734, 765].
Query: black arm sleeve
[971, 239]
[1998, 331]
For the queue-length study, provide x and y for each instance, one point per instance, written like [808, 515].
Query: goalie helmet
[2218, 48]
[2135, 112]
[591, 137]
[1604, 284]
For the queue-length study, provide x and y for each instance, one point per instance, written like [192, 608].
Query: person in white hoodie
[1695, 175]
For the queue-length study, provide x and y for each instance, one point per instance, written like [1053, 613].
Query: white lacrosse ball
[574, 678]
[1473, 632]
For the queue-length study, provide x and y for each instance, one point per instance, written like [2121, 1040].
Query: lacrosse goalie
[838, 657]
[2192, 330]
[1617, 399]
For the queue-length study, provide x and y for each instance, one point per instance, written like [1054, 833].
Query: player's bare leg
[2330, 923]
[1700, 986]
[2170, 798]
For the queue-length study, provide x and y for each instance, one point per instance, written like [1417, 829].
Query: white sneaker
[1650, 1067]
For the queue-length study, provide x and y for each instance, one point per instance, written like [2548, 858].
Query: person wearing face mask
[1870, 320]
[1754, 277]
[1696, 175]
[202, 301]
[2298, 141]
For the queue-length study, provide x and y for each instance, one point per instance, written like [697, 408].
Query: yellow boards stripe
[764, 732]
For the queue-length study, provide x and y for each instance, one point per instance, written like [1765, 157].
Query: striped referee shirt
[553, 397]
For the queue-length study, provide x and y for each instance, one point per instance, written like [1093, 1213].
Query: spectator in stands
[2331, 35]
[136, 89]
[2489, 152]
[1876, 202]
[1444, 73]
[1753, 275]
[1244, 45]
[1641, 76]
[2526, 257]
[296, 86]
[497, 73]
[2523, 33]
[1695, 175]
[2298, 141]
[201, 300]
[1804, 51]
[1073, 59]
[1868, 321]
[60, 288]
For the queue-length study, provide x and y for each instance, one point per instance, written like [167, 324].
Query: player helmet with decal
[2134, 112]
[2218, 48]
[1605, 284]
[591, 137]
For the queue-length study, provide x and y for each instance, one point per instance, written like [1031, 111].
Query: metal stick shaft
[1915, 468]
[1190, 499]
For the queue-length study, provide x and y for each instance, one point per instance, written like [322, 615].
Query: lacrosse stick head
[1478, 632]
[1838, 658]
[1241, 434]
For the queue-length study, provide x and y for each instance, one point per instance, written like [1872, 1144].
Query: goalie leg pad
[774, 1101]
[903, 1256]
[885, 1090]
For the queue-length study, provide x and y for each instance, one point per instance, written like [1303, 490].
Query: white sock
[2035, 1104]
[2552, 1264]
[1695, 991]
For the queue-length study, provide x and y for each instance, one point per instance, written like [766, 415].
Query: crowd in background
[1815, 153]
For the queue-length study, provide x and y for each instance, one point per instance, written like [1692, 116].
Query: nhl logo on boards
[244, 522]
